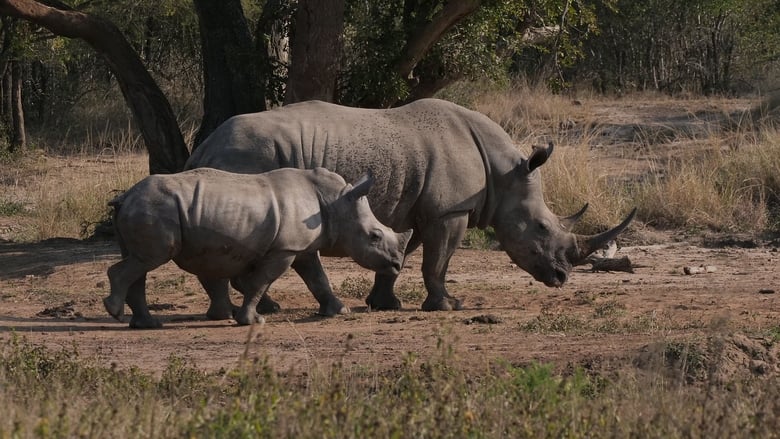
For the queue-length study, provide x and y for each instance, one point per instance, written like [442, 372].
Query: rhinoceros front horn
[589, 244]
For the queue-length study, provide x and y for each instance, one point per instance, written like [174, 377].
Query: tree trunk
[18, 134]
[150, 107]
[315, 51]
[273, 48]
[230, 66]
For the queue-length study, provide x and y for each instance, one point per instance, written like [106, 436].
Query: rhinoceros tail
[116, 203]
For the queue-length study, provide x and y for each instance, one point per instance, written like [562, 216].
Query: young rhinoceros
[246, 228]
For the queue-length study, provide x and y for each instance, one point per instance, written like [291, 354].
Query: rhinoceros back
[426, 156]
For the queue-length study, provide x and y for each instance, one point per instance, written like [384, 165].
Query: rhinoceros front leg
[382, 297]
[254, 285]
[220, 306]
[309, 268]
[440, 240]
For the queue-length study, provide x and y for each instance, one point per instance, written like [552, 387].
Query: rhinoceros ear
[539, 155]
[361, 186]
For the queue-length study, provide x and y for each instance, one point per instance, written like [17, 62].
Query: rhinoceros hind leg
[267, 305]
[440, 239]
[218, 290]
[136, 300]
[127, 276]
[309, 268]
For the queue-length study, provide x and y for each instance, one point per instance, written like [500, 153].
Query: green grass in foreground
[57, 394]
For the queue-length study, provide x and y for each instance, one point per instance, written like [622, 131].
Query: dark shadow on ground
[18, 260]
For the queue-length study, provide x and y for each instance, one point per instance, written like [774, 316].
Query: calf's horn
[589, 244]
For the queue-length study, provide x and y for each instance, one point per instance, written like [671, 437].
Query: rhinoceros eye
[375, 236]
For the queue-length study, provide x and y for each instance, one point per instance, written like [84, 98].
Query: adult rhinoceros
[440, 169]
[246, 228]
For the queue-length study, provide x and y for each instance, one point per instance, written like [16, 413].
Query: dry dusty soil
[51, 292]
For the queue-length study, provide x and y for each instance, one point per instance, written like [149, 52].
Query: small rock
[488, 319]
[700, 269]
[66, 310]
[766, 291]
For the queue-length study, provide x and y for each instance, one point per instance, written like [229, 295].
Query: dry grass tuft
[65, 196]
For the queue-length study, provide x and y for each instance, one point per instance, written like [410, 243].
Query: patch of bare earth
[50, 293]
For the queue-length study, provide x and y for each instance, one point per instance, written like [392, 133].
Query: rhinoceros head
[360, 234]
[536, 239]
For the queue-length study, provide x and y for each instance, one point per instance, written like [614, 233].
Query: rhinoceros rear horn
[569, 221]
[361, 186]
[589, 244]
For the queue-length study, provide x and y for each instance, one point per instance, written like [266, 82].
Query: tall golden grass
[64, 194]
[68, 201]
[729, 182]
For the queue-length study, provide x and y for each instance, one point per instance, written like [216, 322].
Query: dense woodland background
[185, 66]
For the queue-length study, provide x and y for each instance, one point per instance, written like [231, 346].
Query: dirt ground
[51, 292]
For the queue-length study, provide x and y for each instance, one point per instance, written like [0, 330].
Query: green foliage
[373, 40]
[11, 208]
[481, 46]
[774, 334]
[702, 46]
[481, 239]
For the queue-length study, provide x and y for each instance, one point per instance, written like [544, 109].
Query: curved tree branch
[149, 106]
[425, 37]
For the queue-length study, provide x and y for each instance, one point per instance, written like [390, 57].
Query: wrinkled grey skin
[440, 169]
[246, 228]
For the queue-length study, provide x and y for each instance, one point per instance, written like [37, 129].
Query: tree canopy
[239, 56]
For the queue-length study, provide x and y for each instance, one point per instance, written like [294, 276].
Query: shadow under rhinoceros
[48, 324]
[18, 260]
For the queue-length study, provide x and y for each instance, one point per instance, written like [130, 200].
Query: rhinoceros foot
[220, 312]
[248, 316]
[145, 323]
[332, 308]
[115, 306]
[268, 305]
[442, 304]
[383, 302]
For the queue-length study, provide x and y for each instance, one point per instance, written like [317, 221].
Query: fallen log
[611, 264]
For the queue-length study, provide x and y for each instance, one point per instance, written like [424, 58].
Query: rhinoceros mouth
[392, 268]
[554, 275]
[395, 267]
[556, 278]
